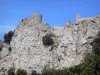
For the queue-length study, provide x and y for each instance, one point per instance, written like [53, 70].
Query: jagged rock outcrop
[71, 44]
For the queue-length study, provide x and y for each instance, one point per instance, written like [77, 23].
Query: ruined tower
[77, 17]
[37, 18]
[34, 19]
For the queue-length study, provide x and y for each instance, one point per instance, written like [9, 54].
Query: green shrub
[35, 73]
[47, 39]
[1, 46]
[11, 71]
[96, 54]
[10, 49]
[64, 71]
[8, 36]
[21, 72]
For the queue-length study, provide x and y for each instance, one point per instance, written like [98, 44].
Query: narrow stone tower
[77, 17]
[37, 18]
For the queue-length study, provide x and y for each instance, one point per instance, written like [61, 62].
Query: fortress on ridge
[78, 19]
[36, 18]
[71, 43]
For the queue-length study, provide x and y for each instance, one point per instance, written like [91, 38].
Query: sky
[54, 12]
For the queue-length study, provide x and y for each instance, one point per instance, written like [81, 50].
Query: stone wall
[82, 19]
[78, 19]
[34, 19]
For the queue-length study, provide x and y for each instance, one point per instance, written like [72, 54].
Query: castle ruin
[34, 19]
[79, 19]
[29, 53]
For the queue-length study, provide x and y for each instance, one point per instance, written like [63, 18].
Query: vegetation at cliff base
[21, 72]
[11, 71]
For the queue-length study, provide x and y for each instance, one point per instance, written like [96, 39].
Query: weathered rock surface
[28, 51]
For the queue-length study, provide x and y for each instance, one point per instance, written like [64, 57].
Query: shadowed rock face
[1, 42]
[71, 43]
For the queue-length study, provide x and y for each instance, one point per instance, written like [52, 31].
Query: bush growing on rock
[21, 72]
[1, 46]
[11, 71]
[35, 73]
[8, 36]
[47, 39]
[10, 49]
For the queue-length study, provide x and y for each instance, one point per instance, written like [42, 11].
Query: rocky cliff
[28, 51]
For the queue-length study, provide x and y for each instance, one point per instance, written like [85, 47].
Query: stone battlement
[34, 19]
[78, 19]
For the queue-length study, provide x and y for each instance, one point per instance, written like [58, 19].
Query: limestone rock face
[5, 50]
[28, 50]
[74, 42]
[71, 44]
[5, 58]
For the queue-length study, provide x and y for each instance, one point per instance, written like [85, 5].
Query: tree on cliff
[8, 36]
